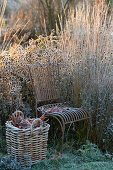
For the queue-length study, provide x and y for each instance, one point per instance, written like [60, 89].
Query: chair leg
[63, 130]
[36, 108]
[89, 124]
[62, 125]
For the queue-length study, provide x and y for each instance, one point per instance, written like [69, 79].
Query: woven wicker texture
[27, 145]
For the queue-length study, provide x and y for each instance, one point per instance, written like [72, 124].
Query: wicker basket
[29, 146]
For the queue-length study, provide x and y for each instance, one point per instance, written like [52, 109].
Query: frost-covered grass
[86, 158]
[73, 162]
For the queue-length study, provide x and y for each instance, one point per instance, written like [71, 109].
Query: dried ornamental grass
[87, 62]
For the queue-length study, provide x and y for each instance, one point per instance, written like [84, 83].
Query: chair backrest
[45, 80]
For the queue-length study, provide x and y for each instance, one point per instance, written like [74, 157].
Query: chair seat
[65, 113]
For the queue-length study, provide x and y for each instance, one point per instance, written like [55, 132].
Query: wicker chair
[46, 85]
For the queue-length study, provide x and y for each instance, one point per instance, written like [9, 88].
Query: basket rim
[10, 125]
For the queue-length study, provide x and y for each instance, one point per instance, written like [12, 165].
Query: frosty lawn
[74, 162]
[86, 158]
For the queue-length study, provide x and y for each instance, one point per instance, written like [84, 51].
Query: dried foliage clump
[15, 88]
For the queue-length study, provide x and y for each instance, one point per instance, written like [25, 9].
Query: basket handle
[36, 121]
[15, 114]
